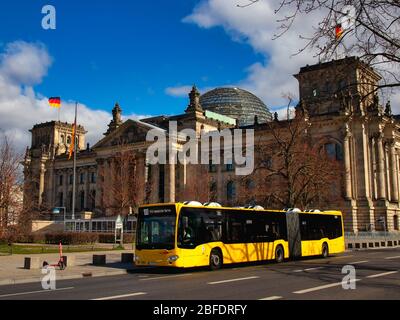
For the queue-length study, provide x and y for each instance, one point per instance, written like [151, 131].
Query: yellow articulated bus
[190, 234]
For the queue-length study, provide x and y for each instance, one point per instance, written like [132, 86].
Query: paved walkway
[12, 271]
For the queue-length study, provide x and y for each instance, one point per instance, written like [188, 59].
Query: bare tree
[10, 184]
[369, 29]
[120, 183]
[291, 170]
[200, 186]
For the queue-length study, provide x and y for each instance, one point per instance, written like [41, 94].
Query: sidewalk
[12, 271]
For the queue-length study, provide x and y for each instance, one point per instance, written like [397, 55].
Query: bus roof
[181, 204]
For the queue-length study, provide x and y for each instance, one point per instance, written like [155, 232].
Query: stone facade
[359, 131]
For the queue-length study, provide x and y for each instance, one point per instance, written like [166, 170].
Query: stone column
[347, 166]
[394, 187]
[99, 184]
[169, 182]
[381, 168]
[41, 183]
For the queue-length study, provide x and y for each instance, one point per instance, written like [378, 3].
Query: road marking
[316, 268]
[122, 296]
[308, 269]
[272, 298]
[340, 257]
[358, 262]
[395, 257]
[32, 292]
[326, 286]
[381, 274]
[165, 277]
[232, 280]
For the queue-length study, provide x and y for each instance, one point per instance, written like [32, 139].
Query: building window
[60, 179]
[61, 199]
[229, 167]
[71, 179]
[93, 177]
[62, 138]
[69, 200]
[82, 178]
[250, 184]
[82, 200]
[230, 190]
[213, 187]
[161, 182]
[69, 140]
[212, 167]
[396, 222]
[334, 151]
[148, 172]
[92, 199]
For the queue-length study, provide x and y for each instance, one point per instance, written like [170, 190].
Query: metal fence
[371, 235]
[102, 225]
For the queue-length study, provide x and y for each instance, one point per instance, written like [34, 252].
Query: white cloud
[183, 91]
[256, 25]
[178, 91]
[25, 63]
[21, 66]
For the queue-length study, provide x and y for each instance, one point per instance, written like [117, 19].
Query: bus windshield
[156, 228]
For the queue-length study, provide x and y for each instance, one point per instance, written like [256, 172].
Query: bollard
[99, 259]
[127, 257]
[31, 263]
[69, 261]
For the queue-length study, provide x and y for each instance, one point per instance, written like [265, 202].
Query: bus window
[198, 225]
[317, 226]
[156, 228]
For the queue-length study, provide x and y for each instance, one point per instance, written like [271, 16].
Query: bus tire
[215, 259]
[325, 250]
[279, 254]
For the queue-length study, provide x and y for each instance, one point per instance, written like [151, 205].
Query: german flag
[55, 102]
[338, 31]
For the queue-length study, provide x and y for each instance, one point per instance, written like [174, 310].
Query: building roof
[236, 103]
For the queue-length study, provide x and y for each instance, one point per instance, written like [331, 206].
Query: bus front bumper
[157, 259]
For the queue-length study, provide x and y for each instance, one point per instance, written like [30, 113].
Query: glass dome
[236, 103]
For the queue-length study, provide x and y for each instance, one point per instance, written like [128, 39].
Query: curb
[69, 277]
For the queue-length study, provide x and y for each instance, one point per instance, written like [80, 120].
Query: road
[377, 277]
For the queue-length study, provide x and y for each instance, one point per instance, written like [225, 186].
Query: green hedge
[66, 238]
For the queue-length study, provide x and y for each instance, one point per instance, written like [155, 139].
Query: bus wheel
[325, 250]
[215, 259]
[279, 254]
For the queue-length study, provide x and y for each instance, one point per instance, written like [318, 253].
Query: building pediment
[131, 131]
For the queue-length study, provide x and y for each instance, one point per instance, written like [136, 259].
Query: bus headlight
[172, 258]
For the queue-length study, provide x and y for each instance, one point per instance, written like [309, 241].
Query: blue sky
[143, 54]
[126, 51]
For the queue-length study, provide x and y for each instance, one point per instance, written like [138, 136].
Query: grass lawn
[36, 249]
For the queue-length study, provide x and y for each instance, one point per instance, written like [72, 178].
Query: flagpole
[74, 168]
